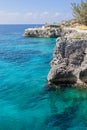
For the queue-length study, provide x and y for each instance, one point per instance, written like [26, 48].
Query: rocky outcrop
[69, 64]
[43, 32]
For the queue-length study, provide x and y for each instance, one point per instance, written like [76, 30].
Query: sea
[26, 103]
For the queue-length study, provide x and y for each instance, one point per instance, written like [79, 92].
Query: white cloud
[7, 14]
[45, 13]
[31, 17]
[29, 14]
[57, 14]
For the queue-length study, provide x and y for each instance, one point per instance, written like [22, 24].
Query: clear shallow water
[25, 104]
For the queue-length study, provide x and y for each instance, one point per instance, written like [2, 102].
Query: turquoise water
[25, 103]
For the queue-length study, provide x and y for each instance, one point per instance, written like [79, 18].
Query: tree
[80, 12]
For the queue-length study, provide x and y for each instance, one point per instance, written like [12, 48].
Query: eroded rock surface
[69, 64]
[43, 32]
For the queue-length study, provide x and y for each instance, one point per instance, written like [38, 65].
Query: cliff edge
[69, 64]
[43, 32]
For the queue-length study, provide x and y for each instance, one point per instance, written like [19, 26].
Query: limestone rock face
[69, 64]
[40, 32]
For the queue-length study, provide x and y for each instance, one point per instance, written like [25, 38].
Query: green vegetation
[79, 36]
[80, 12]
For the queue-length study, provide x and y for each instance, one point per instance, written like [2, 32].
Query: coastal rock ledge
[43, 32]
[69, 64]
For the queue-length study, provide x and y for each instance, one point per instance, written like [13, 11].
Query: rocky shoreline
[69, 63]
[42, 32]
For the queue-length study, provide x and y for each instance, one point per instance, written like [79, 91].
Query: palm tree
[80, 12]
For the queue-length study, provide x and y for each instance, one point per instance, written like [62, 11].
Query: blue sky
[35, 11]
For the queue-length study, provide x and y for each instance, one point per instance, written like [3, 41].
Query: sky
[35, 11]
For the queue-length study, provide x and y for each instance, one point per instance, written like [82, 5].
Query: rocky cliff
[43, 32]
[69, 64]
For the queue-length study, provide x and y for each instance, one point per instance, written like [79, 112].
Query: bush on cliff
[80, 12]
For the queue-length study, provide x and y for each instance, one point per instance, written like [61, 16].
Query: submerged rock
[69, 64]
